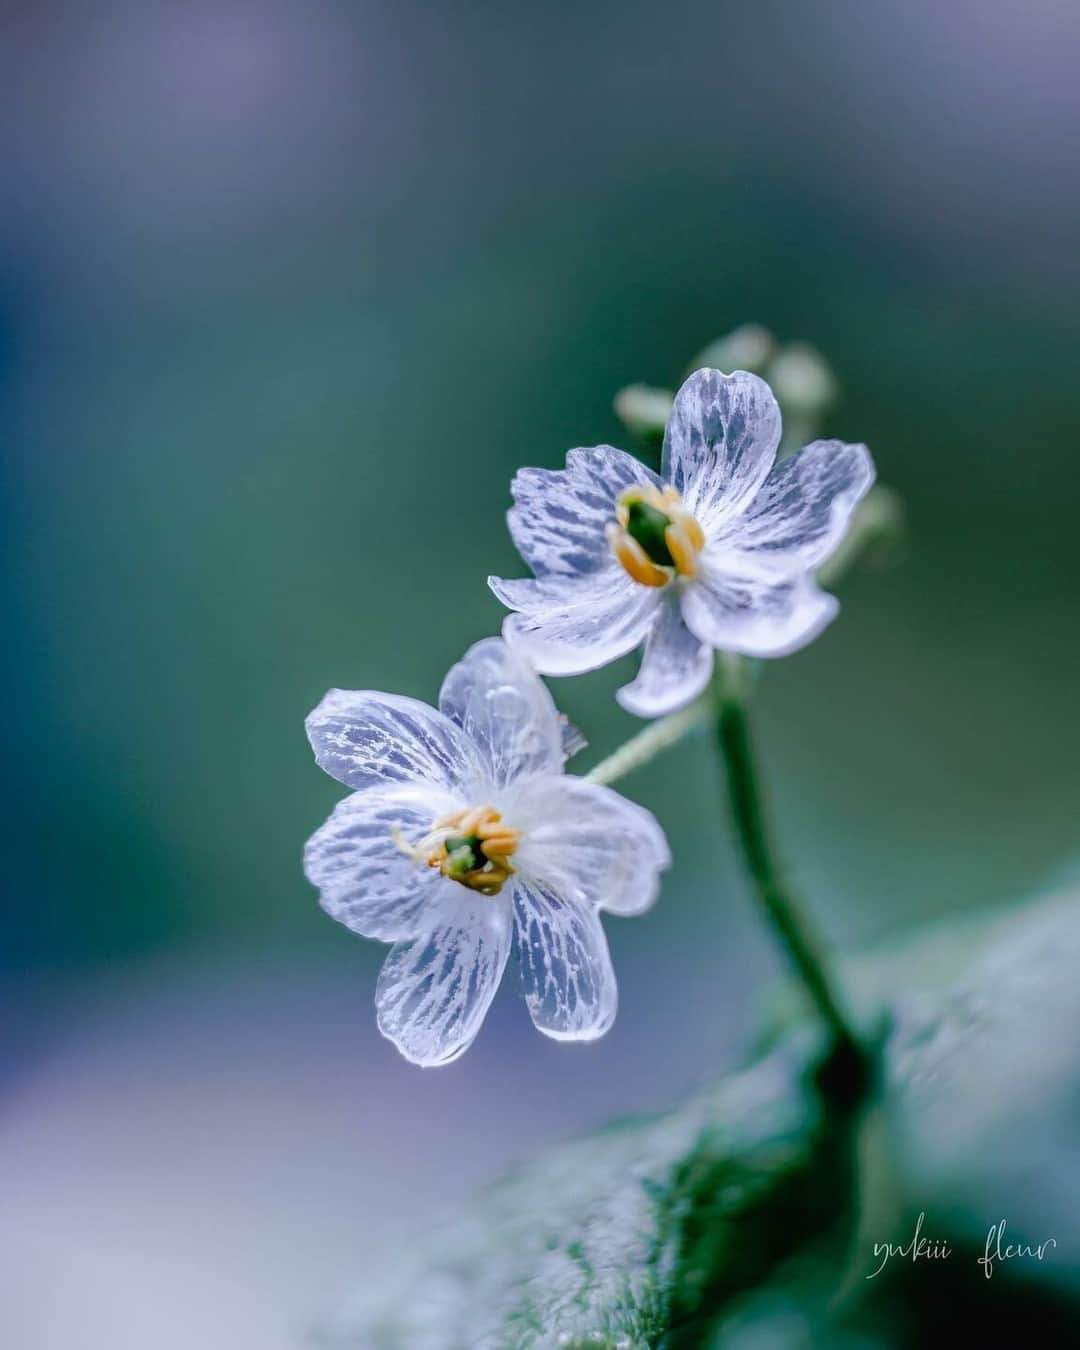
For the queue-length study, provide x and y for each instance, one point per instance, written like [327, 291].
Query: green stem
[848, 1070]
[656, 737]
[788, 919]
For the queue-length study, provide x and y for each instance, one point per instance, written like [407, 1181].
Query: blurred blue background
[287, 291]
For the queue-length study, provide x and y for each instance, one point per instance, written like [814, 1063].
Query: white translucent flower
[719, 551]
[462, 836]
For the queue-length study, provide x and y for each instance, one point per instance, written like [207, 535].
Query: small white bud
[749, 347]
[802, 381]
[643, 409]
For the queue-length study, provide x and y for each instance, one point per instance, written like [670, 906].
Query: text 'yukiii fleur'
[717, 552]
[463, 837]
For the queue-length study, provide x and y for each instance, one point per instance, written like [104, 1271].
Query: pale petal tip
[580, 1035]
[549, 657]
[821, 609]
[499, 589]
[675, 668]
[867, 469]
[632, 702]
[429, 1059]
[573, 738]
[711, 376]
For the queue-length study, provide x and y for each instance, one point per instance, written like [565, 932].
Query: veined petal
[566, 972]
[558, 517]
[755, 616]
[504, 708]
[591, 846]
[675, 666]
[583, 622]
[365, 881]
[720, 443]
[364, 738]
[574, 739]
[433, 993]
[801, 512]
[528, 593]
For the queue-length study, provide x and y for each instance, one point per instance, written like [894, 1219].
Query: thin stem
[788, 918]
[656, 737]
[850, 1063]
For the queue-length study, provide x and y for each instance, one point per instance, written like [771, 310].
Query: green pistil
[463, 854]
[647, 525]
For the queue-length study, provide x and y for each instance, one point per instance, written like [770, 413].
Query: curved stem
[789, 920]
[849, 1067]
[647, 744]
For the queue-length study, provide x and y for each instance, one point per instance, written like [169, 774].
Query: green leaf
[748, 1215]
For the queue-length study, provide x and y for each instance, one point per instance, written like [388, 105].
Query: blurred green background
[287, 292]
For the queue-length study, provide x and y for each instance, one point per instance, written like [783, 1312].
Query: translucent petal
[675, 666]
[589, 845]
[721, 442]
[434, 993]
[363, 738]
[801, 512]
[505, 709]
[365, 881]
[558, 517]
[526, 593]
[573, 739]
[583, 622]
[566, 970]
[755, 616]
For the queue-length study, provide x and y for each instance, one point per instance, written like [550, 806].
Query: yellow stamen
[488, 881]
[398, 836]
[497, 842]
[677, 538]
[684, 536]
[468, 821]
[491, 823]
[635, 560]
[500, 845]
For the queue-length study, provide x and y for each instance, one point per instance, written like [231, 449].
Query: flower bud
[802, 381]
[644, 410]
[749, 347]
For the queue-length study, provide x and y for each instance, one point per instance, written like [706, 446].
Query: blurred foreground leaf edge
[741, 1216]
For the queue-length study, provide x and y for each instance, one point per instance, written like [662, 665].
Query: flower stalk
[786, 914]
[657, 737]
[726, 704]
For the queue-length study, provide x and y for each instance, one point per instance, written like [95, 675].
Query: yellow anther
[497, 841]
[397, 834]
[683, 536]
[677, 538]
[635, 560]
[469, 821]
[500, 846]
[491, 822]
[486, 880]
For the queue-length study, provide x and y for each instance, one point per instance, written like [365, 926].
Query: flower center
[656, 538]
[472, 846]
